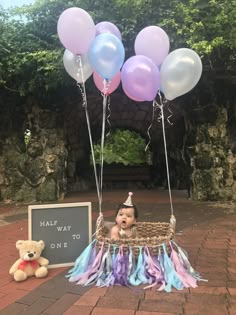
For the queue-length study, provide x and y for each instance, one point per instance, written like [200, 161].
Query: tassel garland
[106, 267]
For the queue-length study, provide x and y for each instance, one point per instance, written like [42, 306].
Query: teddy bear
[30, 262]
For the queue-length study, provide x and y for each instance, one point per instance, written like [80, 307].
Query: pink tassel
[185, 277]
[92, 271]
[154, 269]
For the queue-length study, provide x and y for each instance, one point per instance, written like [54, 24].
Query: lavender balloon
[152, 42]
[140, 78]
[76, 30]
[131, 96]
[107, 27]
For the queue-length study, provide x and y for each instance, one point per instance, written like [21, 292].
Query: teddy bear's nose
[31, 255]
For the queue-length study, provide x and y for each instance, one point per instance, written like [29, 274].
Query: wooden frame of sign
[66, 229]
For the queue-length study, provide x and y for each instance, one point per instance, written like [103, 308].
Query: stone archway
[126, 114]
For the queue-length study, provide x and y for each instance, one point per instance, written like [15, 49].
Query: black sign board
[65, 228]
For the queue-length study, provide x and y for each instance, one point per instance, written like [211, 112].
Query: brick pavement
[211, 245]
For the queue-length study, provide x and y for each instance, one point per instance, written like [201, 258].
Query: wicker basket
[151, 234]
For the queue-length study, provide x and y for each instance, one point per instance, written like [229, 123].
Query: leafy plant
[123, 147]
[31, 52]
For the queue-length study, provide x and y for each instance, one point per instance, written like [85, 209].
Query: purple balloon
[140, 78]
[152, 42]
[131, 96]
[108, 27]
[76, 30]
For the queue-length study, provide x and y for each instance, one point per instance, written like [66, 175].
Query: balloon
[76, 30]
[107, 27]
[152, 42]
[72, 66]
[112, 85]
[140, 78]
[107, 54]
[131, 97]
[180, 72]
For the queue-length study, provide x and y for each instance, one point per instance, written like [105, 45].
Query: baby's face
[125, 218]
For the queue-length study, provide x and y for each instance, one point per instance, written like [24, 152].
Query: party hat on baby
[128, 201]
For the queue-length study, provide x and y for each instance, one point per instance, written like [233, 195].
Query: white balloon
[72, 66]
[180, 72]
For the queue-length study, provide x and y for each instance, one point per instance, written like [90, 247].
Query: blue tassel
[132, 262]
[138, 276]
[113, 253]
[81, 262]
[170, 274]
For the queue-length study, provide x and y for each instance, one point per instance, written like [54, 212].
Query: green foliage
[208, 27]
[31, 53]
[124, 147]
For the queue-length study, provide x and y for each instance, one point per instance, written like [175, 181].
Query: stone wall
[34, 172]
[201, 151]
[212, 161]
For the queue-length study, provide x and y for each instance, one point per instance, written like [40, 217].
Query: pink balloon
[140, 78]
[108, 27]
[152, 42]
[76, 30]
[112, 84]
[131, 97]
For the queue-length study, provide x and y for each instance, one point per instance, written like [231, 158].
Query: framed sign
[65, 228]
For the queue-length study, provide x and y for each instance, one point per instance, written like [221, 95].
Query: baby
[126, 216]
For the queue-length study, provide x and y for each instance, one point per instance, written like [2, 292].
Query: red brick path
[211, 246]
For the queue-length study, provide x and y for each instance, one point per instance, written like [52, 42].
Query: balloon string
[85, 105]
[106, 84]
[109, 114]
[102, 147]
[171, 114]
[161, 105]
[149, 128]
[104, 93]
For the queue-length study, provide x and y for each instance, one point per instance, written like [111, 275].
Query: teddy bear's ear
[18, 244]
[42, 244]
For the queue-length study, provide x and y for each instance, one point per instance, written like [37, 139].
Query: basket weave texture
[151, 234]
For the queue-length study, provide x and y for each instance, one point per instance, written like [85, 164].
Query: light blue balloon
[106, 55]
